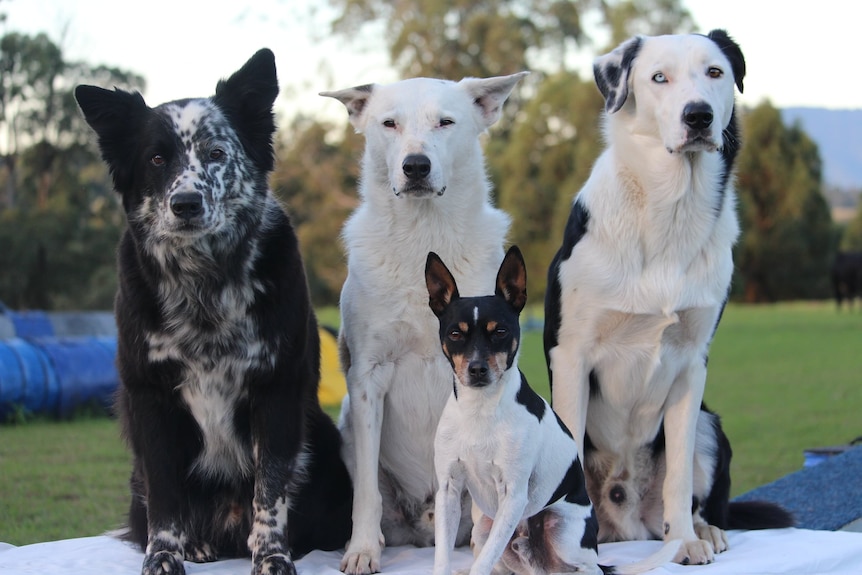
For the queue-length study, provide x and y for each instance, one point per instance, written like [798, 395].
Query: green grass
[61, 479]
[784, 378]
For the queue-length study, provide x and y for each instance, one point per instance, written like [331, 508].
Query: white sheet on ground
[771, 552]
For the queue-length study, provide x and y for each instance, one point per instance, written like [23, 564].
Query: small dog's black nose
[416, 166]
[478, 370]
[618, 494]
[697, 115]
[187, 205]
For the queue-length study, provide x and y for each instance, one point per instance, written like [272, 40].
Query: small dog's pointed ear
[355, 100]
[512, 279]
[732, 52]
[489, 94]
[612, 73]
[441, 284]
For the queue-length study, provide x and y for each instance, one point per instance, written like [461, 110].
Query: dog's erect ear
[441, 284]
[489, 94]
[355, 100]
[612, 73]
[512, 279]
[115, 116]
[732, 52]
[246, 98]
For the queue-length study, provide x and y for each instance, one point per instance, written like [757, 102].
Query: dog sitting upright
[636, 290]
[502, 440]
[423, 188]
[218, 348]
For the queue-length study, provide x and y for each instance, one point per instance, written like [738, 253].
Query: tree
[851, 239]
[317, 181]
[38, 111]
[59, 219]
[787, 234]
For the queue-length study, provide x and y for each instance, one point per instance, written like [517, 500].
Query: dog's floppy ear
[732, 52]
[114, 115]
[354, 99]
[612, 73]
[489, 94]
[441, 284]
[512, 279]
[246, 98]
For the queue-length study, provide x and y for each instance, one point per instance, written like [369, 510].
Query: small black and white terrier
[500, 439]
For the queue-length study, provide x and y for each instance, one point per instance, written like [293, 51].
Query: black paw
[274, 565]
[200, 552]
[163, 563]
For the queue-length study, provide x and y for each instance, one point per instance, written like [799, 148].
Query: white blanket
[771, 552]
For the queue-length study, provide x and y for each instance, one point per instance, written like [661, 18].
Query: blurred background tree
[60, 221]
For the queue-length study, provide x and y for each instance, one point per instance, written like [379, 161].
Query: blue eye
[659, 78]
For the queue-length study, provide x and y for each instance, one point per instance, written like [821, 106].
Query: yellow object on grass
[333, 386]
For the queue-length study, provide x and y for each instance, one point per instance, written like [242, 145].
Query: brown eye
[389, 123]
[714, 72]
[216, 154]
[157, 160]
[446, 122]
[455, 335]
[500, 333]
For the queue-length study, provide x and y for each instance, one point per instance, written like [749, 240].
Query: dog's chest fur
[651, 274]
[503, 438]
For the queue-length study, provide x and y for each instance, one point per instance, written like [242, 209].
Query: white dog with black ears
[423, 188]
[636, 291]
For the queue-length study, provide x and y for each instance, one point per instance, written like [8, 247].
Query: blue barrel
[31, 323]
[27, 379]
[85, 370]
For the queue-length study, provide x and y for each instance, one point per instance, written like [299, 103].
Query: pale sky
[794, 56]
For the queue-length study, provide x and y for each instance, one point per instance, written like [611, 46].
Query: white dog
[636, 291]
[423, 188]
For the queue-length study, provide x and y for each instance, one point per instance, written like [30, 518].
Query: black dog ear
[732, 52]
[246, 98]
[115, 116]
[612, 71]
[512, 279]
[441, 284]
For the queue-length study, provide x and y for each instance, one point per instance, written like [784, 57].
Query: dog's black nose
[618, 494]
[187, 205]
[416, 166]
[697, 115]
[478, 370]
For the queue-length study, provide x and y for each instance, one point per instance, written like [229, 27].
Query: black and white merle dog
[636, 291]
[502, 441]
[218, 347]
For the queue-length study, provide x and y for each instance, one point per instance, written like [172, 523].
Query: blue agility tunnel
[54, 375]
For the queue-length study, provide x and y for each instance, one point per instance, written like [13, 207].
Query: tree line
[60, 221]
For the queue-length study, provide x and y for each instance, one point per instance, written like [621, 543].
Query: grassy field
[784, 378]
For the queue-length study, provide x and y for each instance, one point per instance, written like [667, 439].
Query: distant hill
[838, 134]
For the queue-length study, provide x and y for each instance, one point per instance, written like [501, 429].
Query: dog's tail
[758, 515]
[657, 559]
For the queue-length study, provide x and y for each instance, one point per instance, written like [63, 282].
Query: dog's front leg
[367, 391]
[154, 442]
[506, 520]
[278, 468]
[447, 515]
[680, 423]
[571, 391]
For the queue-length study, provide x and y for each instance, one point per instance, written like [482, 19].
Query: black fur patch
[530, 399]
[572, 488]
